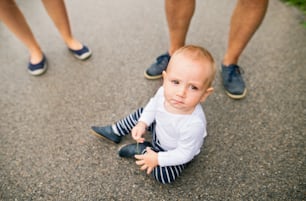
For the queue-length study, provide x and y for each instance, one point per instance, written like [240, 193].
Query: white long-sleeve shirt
[181, 135]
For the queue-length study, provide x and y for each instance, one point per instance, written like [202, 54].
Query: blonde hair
[196, 53]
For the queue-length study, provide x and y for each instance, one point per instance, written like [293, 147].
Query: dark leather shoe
[106, 132]
[156, 69]
[233, 82]
[130, 150]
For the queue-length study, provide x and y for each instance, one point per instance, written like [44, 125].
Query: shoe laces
[234, 71]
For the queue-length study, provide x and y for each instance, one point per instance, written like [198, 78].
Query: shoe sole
[94, 133]
[235, 96]
[150, 77]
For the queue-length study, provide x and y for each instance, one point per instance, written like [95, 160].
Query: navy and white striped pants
[164, 175]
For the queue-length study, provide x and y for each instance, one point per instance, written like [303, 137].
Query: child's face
[186, 84]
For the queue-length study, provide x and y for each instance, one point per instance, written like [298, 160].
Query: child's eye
[194, 88]
[175, 82]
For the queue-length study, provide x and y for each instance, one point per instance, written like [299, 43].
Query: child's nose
[181, 91]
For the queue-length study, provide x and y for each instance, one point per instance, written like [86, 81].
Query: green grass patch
[301, 4]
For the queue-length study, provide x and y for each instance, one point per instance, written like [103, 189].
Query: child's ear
[164, 74]
[209, 91]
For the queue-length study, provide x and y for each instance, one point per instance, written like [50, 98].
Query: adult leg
[13, 18]
[246, 18]
[179, 14]
[58, 13]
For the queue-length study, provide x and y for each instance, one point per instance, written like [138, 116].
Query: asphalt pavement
[255, 148]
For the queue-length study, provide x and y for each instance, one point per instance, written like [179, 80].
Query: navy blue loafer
[107, 133]
[233, 82]
[81, 54]
[39, 68]
[156, 69]
[130, 150]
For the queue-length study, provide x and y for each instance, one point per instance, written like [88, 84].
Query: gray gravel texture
[255, 149]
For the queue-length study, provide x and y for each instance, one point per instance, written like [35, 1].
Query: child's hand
[138, 131]
[147, 161]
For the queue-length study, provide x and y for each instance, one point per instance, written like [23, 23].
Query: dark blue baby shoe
[130, 150]
[106, 132]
